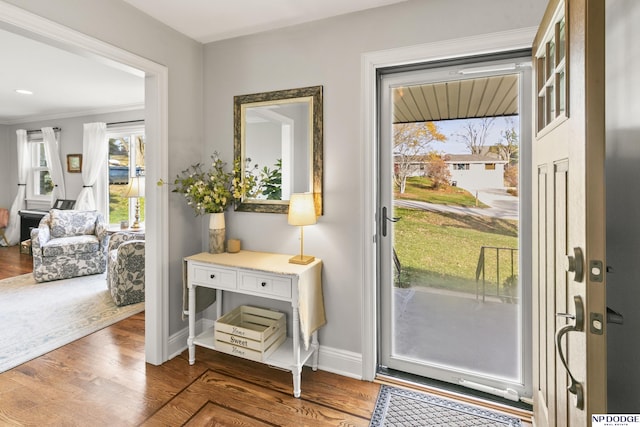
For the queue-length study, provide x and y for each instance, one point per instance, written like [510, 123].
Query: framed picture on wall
[74, 163]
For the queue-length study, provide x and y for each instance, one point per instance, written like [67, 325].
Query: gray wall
[121, 25]
[623, 203]
[70, 141]
[5, 174]
[328, 53]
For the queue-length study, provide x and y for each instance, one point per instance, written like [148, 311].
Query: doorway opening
[156, 129]
[453, 259]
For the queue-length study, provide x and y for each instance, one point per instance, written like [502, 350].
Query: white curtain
[52, 152]
[94, 157]
[12, 232]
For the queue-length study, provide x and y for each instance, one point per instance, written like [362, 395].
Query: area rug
[397, 407]
[39, 317]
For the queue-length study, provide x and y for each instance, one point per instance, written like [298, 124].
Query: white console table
[270, 276]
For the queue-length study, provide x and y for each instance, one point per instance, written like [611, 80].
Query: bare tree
[508, 148]
[410, 143]
[474, 133]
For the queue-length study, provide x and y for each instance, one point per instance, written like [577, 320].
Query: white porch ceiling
[460, 99]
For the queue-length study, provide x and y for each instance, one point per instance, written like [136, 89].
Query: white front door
[569, 283]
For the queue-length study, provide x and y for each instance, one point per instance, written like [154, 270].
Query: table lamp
[135, 191]
[302, 212]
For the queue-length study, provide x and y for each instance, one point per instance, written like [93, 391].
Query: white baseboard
[340, 362]
[178, 341]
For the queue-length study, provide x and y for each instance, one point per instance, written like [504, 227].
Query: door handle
[578, 325]
[385, 218]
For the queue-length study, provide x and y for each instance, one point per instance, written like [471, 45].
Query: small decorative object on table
[233, 246]
[210, 192]
[301, 212]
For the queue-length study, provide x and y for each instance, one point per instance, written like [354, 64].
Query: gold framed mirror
[278, 142]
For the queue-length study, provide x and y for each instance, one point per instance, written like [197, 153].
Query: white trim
[33, 26]
[370, 64]
[341, 362]
[72, 114]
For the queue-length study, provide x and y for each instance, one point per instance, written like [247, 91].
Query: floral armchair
[69, 243]
[125, 274]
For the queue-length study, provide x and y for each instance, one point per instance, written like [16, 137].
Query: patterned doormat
[397, 407]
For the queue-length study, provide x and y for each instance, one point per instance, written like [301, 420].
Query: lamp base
[302, 259]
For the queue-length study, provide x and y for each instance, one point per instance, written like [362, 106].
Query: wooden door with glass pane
[569, 309]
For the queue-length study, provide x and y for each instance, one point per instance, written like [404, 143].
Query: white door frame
[371, 62]
[34, 26]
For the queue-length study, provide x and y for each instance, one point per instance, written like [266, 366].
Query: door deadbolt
[575, 264]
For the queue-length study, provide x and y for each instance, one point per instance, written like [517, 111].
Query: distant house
[473, 171]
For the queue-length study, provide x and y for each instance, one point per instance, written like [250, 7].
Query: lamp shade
[302, 210]
[136, 188]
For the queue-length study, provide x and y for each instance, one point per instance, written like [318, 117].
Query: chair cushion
[71, 245]
[72, 223]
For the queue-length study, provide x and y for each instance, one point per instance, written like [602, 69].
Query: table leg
[192, 325]
[296, 368]
[296, 372]
[315, 345]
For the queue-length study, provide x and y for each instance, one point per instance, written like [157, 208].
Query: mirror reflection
[277, 147]
[278, 142]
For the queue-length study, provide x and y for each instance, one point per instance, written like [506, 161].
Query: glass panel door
[451, 280]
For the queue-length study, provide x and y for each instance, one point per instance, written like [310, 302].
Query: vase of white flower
[210, 192]
[217, 233]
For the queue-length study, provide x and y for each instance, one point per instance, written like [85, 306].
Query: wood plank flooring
[104, 379]
[13, 263]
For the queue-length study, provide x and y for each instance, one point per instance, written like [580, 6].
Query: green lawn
[442, 249]
[420, 188]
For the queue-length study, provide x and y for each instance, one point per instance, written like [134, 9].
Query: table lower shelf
[282, 357]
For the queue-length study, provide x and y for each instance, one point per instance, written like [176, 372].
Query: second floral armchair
[125, 273]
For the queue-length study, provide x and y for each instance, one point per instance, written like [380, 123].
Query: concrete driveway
[501, 205]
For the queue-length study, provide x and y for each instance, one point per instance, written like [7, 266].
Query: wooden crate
[250, 332]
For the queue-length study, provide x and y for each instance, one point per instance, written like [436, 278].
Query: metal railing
[501, 270]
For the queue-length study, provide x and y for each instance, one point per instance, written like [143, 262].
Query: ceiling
[211, 20]
[65, 84]
[468, 98]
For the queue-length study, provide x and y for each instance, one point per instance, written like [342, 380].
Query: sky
[454, 145]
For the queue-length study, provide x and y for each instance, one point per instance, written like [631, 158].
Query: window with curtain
[126, 160]
[39, 183]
